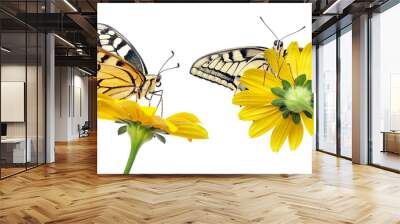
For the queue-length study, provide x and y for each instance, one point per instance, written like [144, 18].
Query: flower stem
[138, 135]
[135, 145]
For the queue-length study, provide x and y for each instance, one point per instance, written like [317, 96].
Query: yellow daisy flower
[142, 124]
[280, 99]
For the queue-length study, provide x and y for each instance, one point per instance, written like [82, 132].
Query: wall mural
[255, 125]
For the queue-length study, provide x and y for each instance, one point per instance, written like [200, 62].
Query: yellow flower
[125, 111]
[280, 99]
[142, 124]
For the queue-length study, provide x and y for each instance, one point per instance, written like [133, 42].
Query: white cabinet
[18, 149]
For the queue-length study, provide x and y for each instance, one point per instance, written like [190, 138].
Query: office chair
[84, 130]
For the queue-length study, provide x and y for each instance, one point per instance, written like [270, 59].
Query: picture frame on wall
[204, 88]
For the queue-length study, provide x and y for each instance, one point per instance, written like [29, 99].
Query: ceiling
[74, 21]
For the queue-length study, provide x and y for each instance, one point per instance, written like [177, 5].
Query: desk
[18, 149]
[391, 141]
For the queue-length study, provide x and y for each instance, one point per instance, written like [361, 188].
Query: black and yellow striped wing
[225, 67]
[116, 77]
[112, 41]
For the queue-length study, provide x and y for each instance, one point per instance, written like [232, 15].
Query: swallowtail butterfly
[225, 67]
[121, 71]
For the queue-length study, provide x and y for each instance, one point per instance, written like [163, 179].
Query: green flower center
[295, 99]
[298, 99]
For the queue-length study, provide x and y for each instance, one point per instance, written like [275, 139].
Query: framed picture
[204, 88]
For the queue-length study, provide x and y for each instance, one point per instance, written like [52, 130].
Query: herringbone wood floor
[69, 191]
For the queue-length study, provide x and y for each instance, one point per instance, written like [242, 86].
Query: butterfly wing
[225, 67]
[112, 41]
[116, 77]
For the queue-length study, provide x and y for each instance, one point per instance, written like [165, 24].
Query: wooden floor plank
[70, 191]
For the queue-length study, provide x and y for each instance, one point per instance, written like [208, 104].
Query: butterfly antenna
[164, 70]
[166, 61]
[262, 20]
[294, 32]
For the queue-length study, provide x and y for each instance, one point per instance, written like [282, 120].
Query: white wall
[33, 127]
[71, 102]
[80, 110]
[13, 101]
[16, 73]
[62, 81]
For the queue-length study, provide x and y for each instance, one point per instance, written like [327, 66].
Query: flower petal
[184, 116]
[259, 79]
[253, 98]
[305, 64]
[190, 131]
[106, 111]
[293, 58]
[260, 127]
[185, 125]
[149, 111]
[308, 123]
[256, 112]
[171, 126]
[132, 110]
[158, 123]
[296, 136]
[109, 109]
[280, 133]
[279, 65]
